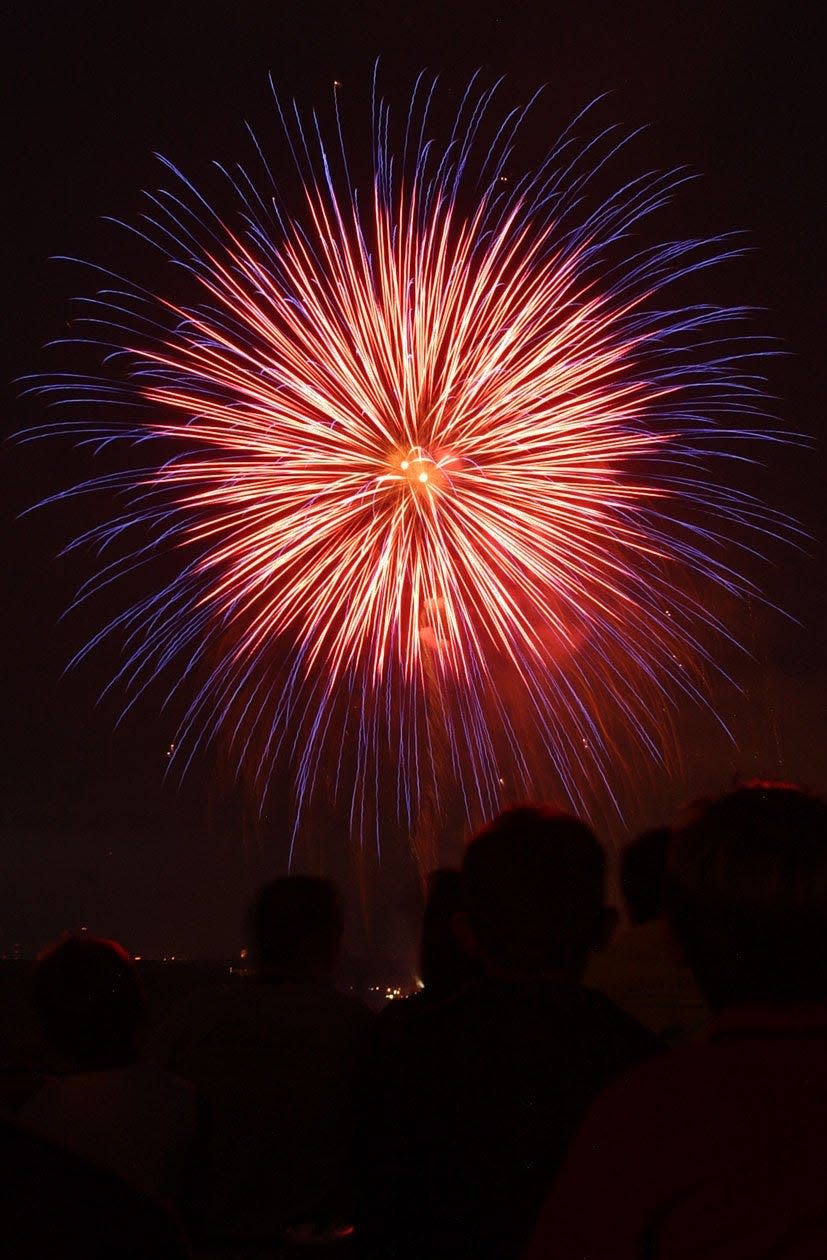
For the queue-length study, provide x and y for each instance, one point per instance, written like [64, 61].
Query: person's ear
[464, 933]
[606, 927]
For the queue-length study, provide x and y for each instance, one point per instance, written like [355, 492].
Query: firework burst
[445, 489]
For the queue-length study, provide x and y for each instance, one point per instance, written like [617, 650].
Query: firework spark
[446, 483]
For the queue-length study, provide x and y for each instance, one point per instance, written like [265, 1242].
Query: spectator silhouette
[643, 969]
[275, 1054]
[56, 1204]
[643, 874]
[718, 1150]
[444, 966]
[468, 1118]
[112, 1106]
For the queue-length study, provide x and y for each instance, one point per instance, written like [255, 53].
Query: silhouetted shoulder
[718, 1149]
[247, 1008]
[55, 1204]
[568, 1013]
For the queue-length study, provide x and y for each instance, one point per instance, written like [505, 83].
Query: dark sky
[89, 833]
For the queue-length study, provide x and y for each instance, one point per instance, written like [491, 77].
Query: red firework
[444, 496]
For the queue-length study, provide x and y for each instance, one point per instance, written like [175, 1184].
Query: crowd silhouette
[523, 1105]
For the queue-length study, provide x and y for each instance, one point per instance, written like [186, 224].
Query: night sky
[90, 833]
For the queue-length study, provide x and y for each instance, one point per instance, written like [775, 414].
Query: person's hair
[90, 1001]
[444, 965]
[642, 872]
[296, 922]
[533, 884]
[746, 893]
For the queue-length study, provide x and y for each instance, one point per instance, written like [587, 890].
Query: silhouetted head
[296, 927]
[444, 965]
[533, 884]
[90, 1001]
[746, 893]
[642, 873]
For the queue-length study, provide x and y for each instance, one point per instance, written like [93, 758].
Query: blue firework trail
[447, 481]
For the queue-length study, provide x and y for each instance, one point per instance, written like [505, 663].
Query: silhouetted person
[643, 969]
[470, 1117]
[643, 875]
[445, 967]
[112, 1106]
[718, 1150]
[276, 1055]
[56, 1205]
